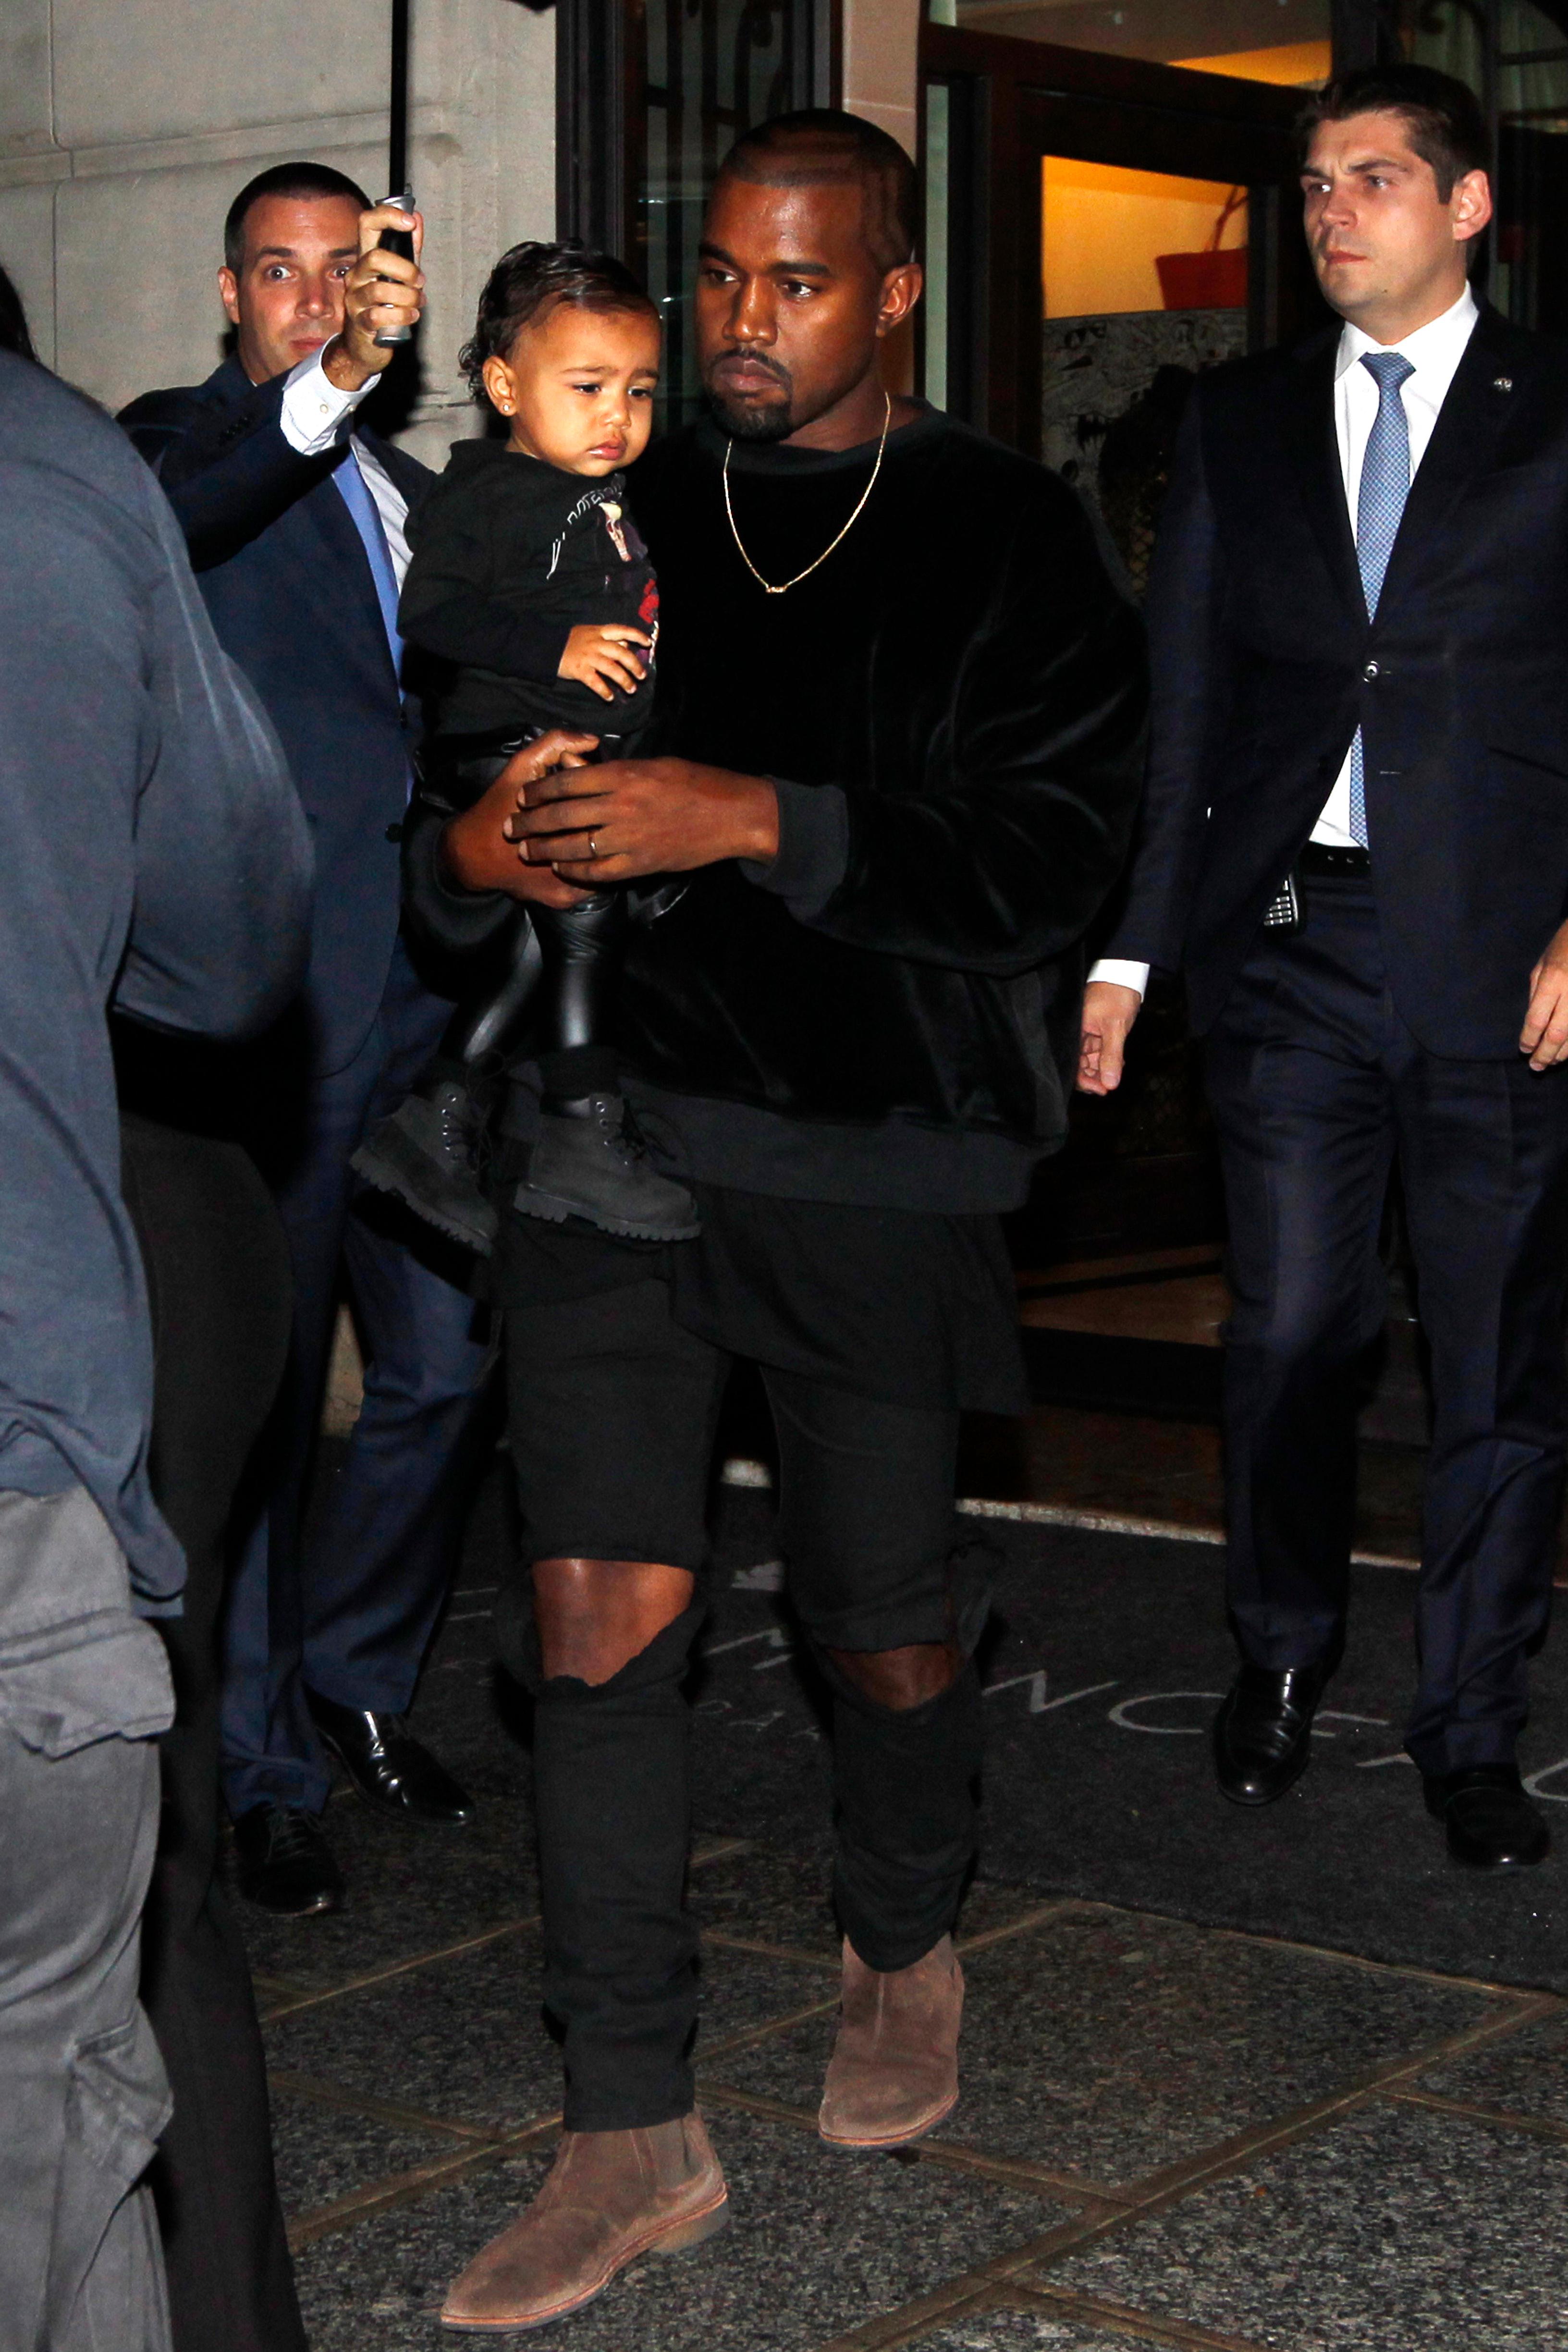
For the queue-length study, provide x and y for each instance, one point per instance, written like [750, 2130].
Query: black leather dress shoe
[284, 1863]
[389, 1766]
[1490, 1822]
[1263, 1732]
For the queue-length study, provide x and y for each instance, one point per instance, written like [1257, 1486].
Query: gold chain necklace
[780, 587]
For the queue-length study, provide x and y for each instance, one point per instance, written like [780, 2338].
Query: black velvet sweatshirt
[951, 707]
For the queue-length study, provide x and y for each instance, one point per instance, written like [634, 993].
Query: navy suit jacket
[1264, 663]
[290, 589]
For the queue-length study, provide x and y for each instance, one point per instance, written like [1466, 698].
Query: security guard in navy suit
[295, 522]
[1355, 847]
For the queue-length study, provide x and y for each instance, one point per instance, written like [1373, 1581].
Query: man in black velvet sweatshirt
[901, 707]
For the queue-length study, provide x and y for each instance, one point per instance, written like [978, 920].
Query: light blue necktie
[357, 498]
[1385, 487]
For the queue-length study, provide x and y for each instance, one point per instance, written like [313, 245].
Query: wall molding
[35, 167]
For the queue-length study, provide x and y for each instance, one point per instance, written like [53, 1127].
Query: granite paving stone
[819, 2241]
[462, 2039]
[737, 1992]
[409, 1892]
[1109, 2043]
[1527, 2073]
[1397, 2230]
[769, 1898]
[321, 2153]
[1023, 2331]
[994, 1909]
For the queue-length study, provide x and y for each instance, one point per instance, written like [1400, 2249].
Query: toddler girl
[531, 587]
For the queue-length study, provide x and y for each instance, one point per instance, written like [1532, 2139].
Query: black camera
[396, 240]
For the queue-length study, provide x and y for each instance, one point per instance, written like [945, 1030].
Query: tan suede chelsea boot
[610, 2197]
[894, 2070]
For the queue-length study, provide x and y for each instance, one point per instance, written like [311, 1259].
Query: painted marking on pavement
[1533, 1786]
[773, 1634]
[1119, 1715]
[1038, 1703]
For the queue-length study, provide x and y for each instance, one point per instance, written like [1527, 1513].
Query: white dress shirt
[313, 410]
[1434, 351]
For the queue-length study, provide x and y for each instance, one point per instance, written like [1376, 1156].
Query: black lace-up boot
[428, 1154]
[591, 1162]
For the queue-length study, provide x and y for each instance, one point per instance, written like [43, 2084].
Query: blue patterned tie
[1385, 487]
[356, 496]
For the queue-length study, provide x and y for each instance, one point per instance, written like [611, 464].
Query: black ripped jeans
[613, 1410]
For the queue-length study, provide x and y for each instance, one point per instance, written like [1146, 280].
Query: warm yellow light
[1103, 227]
[1296, 64]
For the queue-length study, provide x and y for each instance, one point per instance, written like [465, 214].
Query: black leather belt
[1323, 857]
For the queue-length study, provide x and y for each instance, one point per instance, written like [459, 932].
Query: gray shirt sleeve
[220, 930]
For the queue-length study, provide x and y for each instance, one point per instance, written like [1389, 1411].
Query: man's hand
[605, 658]
[1109, 1011]
[475, 849]
[382, 290]
[1544, 1036]
[644, 816]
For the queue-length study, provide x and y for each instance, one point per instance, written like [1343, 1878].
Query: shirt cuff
[1121, 974]
[314, 407]
[814, 847]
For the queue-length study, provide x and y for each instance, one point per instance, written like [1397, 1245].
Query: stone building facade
[126, 126]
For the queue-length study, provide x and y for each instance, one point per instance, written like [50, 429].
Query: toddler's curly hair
[533, 278]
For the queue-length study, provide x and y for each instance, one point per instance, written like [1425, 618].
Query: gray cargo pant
[84, 1689]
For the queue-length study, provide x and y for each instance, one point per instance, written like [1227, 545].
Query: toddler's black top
[509, 556]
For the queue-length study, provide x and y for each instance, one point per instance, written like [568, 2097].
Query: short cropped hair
[1443, 117]
[284, 180]
[534, 278]
[821, 145]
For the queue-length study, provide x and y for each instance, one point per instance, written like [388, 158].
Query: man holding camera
[295, 519]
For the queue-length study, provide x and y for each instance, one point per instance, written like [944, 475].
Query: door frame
[1007, 97]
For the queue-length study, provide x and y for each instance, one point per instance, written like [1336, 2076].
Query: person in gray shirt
[156, 861]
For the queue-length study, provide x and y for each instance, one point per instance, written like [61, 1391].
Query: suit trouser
[83, 1689]
[349, 1610]
[1316, 1084]
[217, 1284]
